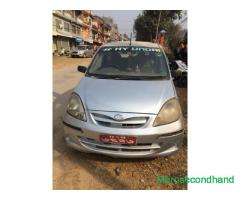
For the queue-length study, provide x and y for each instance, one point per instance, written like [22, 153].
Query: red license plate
[116, 139]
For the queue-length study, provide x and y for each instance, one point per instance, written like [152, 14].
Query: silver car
[126, 104]
[82, 51]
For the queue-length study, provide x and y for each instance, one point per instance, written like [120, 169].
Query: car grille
[140, 147]
[108, 121]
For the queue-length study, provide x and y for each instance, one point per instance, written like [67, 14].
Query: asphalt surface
[77, 170]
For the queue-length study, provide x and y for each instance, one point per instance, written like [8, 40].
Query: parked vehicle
[67, 52]
[83, 51]
[126, 104]
[63, 52]
[179, 71]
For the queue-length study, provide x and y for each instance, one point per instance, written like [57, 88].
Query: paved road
[76, 170]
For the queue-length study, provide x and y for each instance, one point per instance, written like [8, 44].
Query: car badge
[118, 117]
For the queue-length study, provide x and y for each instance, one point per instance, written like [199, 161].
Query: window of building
[66, 26]
[74, 29]
[78, 30]
[58, 23]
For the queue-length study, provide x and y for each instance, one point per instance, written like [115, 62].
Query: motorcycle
[179, 71]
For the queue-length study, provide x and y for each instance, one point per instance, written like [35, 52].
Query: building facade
[86, 17]
[97, 30]
[71, 28]
[106, 32]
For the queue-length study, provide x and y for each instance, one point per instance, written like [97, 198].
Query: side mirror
[82, 69]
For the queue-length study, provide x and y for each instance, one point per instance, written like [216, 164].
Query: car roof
[133, 43]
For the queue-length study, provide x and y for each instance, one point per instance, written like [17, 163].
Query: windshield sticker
[145, 49]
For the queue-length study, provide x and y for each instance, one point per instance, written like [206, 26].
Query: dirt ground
[60, 62]
[77, 170]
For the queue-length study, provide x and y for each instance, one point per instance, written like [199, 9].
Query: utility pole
[158, 25]
[130, 39]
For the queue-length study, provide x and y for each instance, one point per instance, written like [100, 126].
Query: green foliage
[174, 36]
[145, 25]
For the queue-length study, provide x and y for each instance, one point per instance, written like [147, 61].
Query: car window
[130, 61]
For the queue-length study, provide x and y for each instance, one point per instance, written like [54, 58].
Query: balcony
[60, 31]
[65, 16]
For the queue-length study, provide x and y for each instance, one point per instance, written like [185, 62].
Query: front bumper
[151, 142]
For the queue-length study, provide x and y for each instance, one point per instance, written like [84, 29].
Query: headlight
[75, 107]
[170, 112]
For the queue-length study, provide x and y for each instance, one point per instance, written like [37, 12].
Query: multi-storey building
[106, 32]
[86, 17]
[71, 28]
[113, 32]
[74, 27]
[97, 30]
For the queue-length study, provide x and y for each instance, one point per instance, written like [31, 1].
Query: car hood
[135, 96]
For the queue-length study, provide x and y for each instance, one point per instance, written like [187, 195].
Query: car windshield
[130, 62]
[82, 47]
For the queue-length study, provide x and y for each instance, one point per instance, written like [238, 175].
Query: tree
[173, 36]
[146, 25]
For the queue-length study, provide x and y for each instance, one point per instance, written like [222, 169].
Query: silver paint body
[125, 108]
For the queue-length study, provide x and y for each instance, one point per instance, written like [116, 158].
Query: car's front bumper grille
[109, 121]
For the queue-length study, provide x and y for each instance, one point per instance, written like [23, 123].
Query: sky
[183, 22]
[123, 18]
